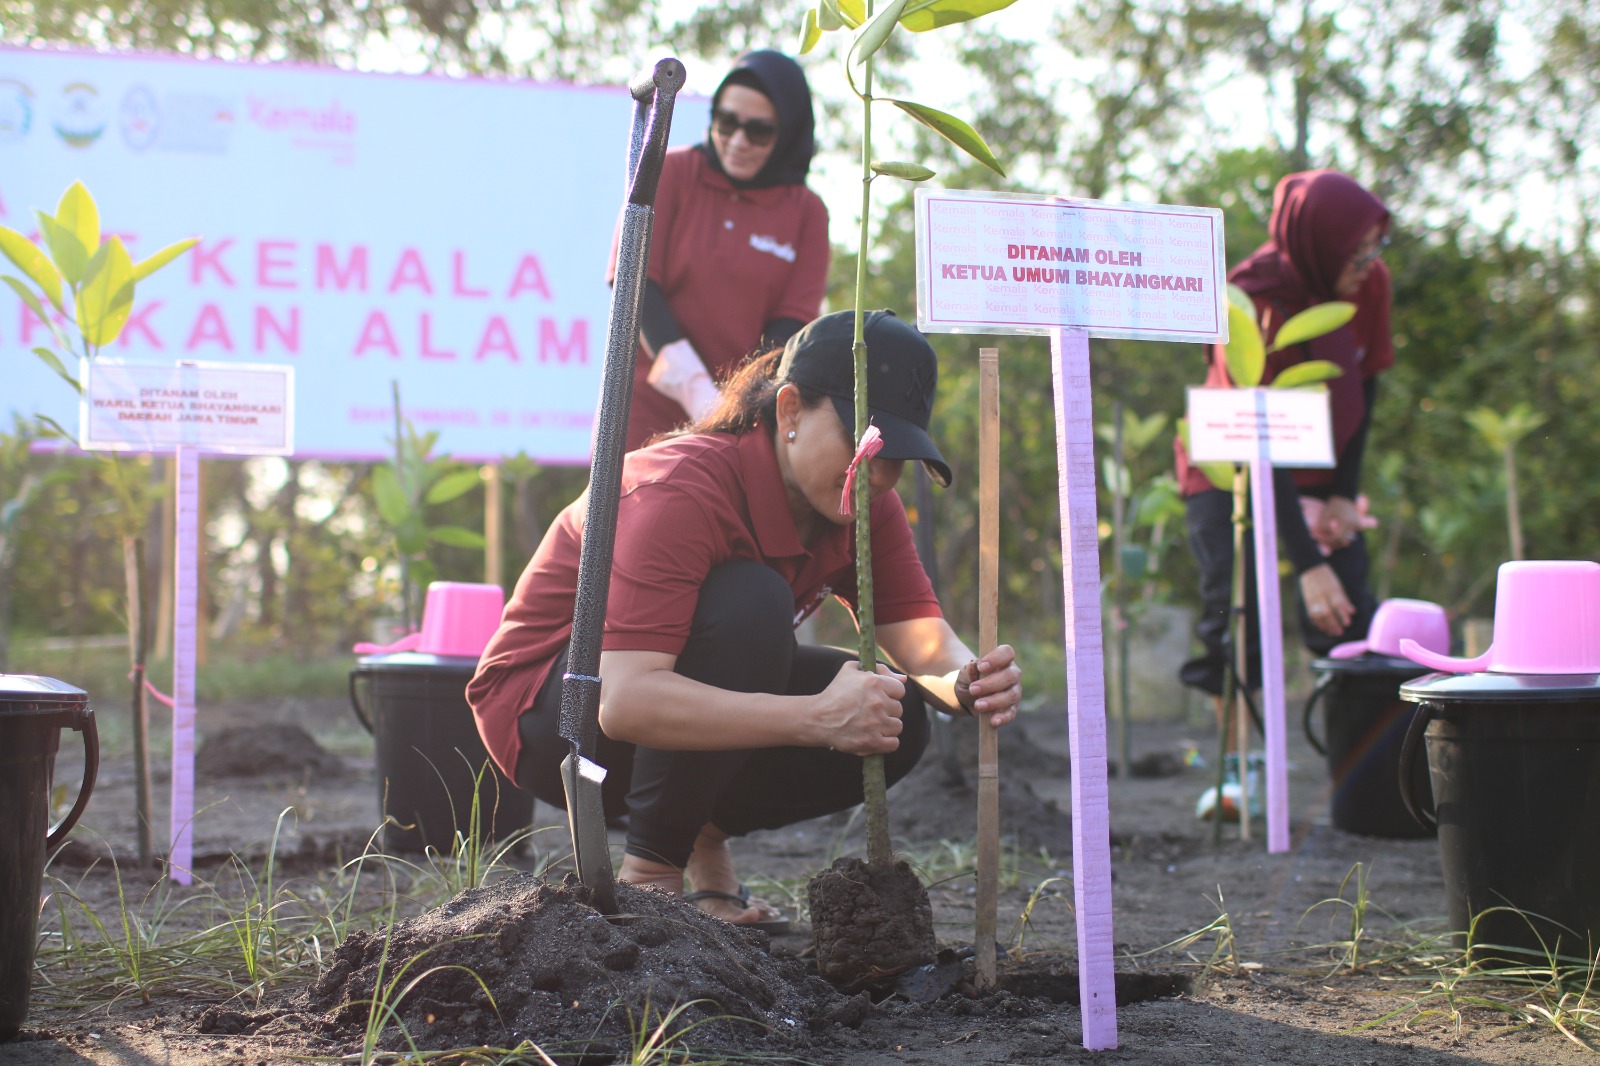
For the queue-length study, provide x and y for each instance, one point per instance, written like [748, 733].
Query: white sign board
[1282, 427]
[224, 408]
[451, 234]
[1012, 263]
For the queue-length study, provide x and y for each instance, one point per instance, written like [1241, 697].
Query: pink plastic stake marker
[1267, 606]
[1086, 703]
[186, 563]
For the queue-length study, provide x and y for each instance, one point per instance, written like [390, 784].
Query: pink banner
[1271, 627]
[186, 603]
[1086, 699]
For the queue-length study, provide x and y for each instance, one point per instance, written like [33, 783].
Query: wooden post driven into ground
[493, 507]
[988, 636]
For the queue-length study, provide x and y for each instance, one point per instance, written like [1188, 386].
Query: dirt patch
[870, 922]
[528, 959]
[1225, 954]
[276, 750]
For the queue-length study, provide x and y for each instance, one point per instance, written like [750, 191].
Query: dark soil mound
[265, 751]
[946, 803]
[870, 922]
[569, 980]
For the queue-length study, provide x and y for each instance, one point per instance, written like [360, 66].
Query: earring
[791, 434]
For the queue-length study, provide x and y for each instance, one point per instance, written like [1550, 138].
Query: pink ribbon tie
[871, 444]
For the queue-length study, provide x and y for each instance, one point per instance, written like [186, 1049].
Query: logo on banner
[16, 110]
[81, 118]
[140, 118]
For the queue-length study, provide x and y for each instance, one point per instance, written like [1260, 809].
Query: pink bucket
[1546, 621]
[458, 619]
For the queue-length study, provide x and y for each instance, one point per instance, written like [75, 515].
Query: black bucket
[33, 711]
[431, 761]
[1515, 766]
[1365, 722]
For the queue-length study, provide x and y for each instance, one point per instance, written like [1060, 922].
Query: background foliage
[1471, 118]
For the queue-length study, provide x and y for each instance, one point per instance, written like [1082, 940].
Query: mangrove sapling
[1246, 357]
[1502, 432]
[96, 278]
[854, 943]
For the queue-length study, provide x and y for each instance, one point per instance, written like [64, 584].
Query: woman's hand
[1338, 524]
[991, 685]
[1330, 609]
[860, 713]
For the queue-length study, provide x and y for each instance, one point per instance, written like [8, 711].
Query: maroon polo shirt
[687, 505]
[728, 261]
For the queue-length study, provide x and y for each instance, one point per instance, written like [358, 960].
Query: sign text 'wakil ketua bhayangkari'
[1008, 263]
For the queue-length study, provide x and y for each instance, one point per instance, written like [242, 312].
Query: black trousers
[742, 640]
[1210, 521]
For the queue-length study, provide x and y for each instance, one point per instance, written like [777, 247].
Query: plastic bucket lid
[29, 694]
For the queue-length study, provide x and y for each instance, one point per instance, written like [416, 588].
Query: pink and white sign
[448, 233]
[1013, 263]
[225, 408]
[1285, 427]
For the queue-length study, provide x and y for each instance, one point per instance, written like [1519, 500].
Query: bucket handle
[1408, 758]
[355, 700]
[1323, 684]
[91, 770]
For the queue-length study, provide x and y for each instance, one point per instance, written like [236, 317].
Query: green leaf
[34, 263]
[106, 297]
[149, 266]
[1219, 474]
[78, 214]
[389, 496]
[456, 537]
[923, 15]
[452, 485]
[30, 299]
[411, 536]
[953, 130]
[908, 171]
[1241, 299]
[854, 12]
[1311, 372]
[1115, 477]
[71, 257]
[827, 16]
[423, 572]
[875, 33]
[1313, 322]
[53, 429]
[53, 361]
[1246, 357]
[810, 33]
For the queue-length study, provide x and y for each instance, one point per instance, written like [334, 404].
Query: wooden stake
[988, 637]
[493, 507]
[161, 637]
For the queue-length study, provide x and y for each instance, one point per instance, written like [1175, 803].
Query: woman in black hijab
[739, 254]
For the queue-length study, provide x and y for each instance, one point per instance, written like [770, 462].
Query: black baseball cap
[902, 375]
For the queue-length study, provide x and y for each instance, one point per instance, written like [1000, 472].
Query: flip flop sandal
[773, 926]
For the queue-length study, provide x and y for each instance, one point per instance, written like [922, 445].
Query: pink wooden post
[1086, 692]
[187, 560]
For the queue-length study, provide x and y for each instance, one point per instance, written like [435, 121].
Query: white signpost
[226, 408]
[1014, 264]
[1265, 428]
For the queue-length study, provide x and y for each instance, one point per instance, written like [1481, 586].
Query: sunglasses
[758, 131]
[1362, 260]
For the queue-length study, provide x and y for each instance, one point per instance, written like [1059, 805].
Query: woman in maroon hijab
[1326, 235]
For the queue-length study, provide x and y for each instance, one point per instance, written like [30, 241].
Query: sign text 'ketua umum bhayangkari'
[1009, 263]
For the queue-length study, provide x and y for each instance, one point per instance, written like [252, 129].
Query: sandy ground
[1265, 985]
